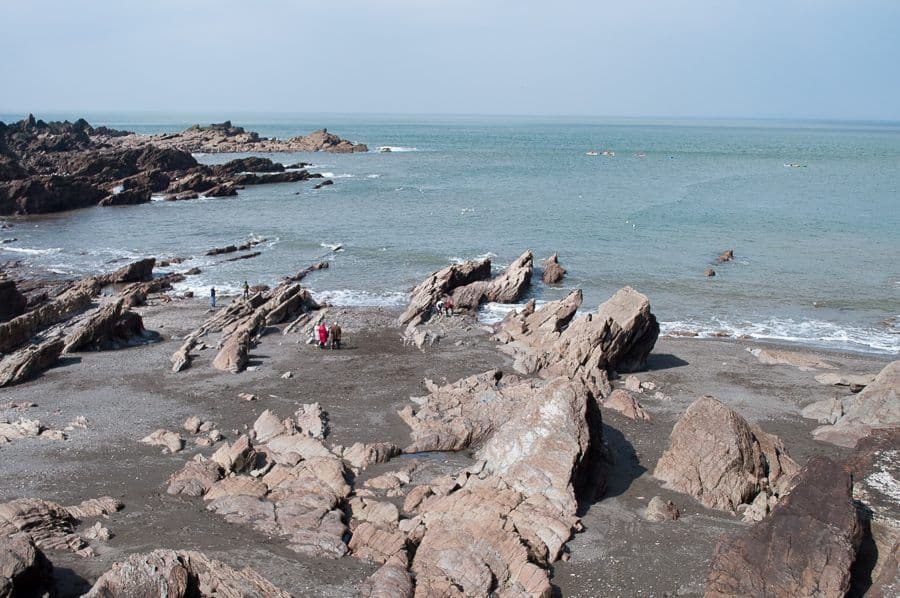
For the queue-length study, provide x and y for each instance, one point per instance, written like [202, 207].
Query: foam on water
[395, 148]
[356, 298]
[812, 332]
[30, 251]
[331, 175]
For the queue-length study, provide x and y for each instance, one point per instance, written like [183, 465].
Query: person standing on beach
[448, 306]
[323, 335]
[246, 290]
[335, 333]
[212, 297]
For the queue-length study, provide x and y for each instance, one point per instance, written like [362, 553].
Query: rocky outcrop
[551, 270]
[110, 326]
[226, 138]
[30, 361]
[137, 271]
[50, 525]
[58, 166]
[661, 510]
[802, 361]
[24, 570]
[550, 341]
[392, 580]
[494, 528]
[180, 574]
[21, 329]
[876, 407]
[805, 548]
[715, 456]
[286, 484]
[442, 283]
[506, 287]
[12, 302]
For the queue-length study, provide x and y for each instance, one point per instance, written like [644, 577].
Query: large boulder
[718, 458]
[180, 574]
[392, 580]
[876, 407]
[21, 329]
[805, 548]
[506, 287]
[24, 570]
[137, 271]
[51, 525]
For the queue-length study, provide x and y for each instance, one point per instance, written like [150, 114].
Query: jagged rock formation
[226, 138]
[718, 458]
[287, 483]
[443, 282]
[180, 574]
[805, 548]
[552, 271]
[24, 570]
[495, 526]
[550, 341]
[57, 166]
[110, 326]
[243, 321]
[27, 363]
[876, 407]
[506, 287]
[51, 525]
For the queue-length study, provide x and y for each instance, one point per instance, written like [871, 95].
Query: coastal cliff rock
[551, 270]
[718, 458]
[876, 407]
[180, 574]
[24, 570]
[392, 580]
[443, 282]
[550, 341]
[804, 548]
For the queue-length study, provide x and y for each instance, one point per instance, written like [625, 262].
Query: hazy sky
[762, 58]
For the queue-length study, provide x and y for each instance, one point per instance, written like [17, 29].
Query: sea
[810, 209]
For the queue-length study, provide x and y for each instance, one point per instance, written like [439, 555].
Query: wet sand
[127, 394]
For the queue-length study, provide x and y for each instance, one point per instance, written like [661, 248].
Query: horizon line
[244, 112]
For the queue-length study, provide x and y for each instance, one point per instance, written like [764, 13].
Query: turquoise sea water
[816, 246]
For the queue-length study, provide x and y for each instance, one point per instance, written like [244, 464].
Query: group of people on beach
[445, 305]
[323, 334]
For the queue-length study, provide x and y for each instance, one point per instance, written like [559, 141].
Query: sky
[661, 58]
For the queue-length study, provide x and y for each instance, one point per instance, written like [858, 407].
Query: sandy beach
[361, 387]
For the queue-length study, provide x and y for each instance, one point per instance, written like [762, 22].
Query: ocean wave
[157, 198]
[373, 176]
[331, 175]
[455, 259]
[31, 251]
[353, 298]
[395, 148]
[818, 333]
[332, 246]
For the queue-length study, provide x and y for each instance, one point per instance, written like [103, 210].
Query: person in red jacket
[323, 335]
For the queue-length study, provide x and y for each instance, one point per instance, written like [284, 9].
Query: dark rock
[12, 302]
[552, 272]
[806, 547]
[324, 183]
